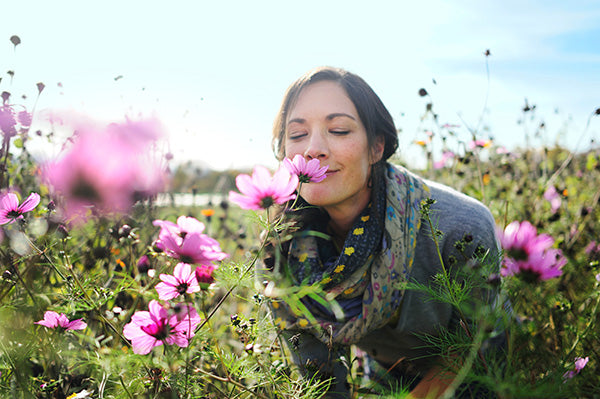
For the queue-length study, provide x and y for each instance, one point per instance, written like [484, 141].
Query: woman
[375, 238]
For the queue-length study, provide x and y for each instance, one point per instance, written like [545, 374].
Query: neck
[342, 217]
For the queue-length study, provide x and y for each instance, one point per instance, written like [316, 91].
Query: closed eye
[339, 132]
[296, 136]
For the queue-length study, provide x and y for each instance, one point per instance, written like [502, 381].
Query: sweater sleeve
[314, 358]
[470, 251]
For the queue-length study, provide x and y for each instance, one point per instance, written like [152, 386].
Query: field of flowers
[103, 294]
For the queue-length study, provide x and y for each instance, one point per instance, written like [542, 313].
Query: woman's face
[325, 125]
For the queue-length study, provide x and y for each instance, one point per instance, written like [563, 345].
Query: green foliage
[90, 271]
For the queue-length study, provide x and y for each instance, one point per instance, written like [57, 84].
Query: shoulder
[458, 207]
[457, 215]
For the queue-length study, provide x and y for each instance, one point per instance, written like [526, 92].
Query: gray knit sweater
[456, 216]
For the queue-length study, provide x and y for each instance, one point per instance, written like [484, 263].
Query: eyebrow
[328, 117]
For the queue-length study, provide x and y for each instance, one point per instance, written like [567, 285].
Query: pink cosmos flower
[158, 326]
[106, 169]
[260, 190]
[193, 248]
[53, 320]
[183, 281]
[184, 226]
[25, 118]
[204, 275]
[10, 210]
[7, 119]
[528, 254]
[502, 150]
[186, 242]
[580, 363]
[446, 156]
[307, 172]
[552, 196]
[480, 144]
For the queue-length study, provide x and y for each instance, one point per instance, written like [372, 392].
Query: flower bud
[143, 265]
[124, 230]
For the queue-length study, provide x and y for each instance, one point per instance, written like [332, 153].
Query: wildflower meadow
[106, 294]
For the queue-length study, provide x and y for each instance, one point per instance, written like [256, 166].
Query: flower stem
[231, 381]
[246, 271]
[125, 387]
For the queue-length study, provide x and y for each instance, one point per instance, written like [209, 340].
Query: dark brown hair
[373, 114]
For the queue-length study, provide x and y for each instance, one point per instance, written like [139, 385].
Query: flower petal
[50, 319]
[30, 203]
[9, 202]
[78, 324]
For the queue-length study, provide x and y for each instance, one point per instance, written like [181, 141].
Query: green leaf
[18, 142]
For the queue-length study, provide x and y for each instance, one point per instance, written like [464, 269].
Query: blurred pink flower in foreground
[186, 242]
[580, 363]
[183, 281]
[156, 327]
[307, 172]
[107, 170]
[261, 190]
[446, 156]
[10, 210]
[53, 320]
[204, 275]
[528, 254]
[552, 196]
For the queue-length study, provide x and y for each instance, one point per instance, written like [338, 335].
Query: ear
[377, 149]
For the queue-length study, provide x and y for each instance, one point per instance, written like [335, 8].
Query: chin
[317, 196]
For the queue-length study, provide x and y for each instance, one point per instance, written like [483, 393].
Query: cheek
[291, 149]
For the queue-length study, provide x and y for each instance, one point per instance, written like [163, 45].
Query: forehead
[320, 99]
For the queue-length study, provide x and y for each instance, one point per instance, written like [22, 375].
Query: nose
[317, 147]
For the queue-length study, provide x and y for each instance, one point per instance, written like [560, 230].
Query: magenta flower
[580, 363]
[183, 281]
[157, 326]
[193, 248]
[7, 119]
[10, 210]
[25, 118]
[479, 144]
[53, 320]
[184, 226]
[446, 156]
[185, 241]
[552, 196]
[260, 190]
[307, 172]
[204, 275]
[106, 170]
[528, 254]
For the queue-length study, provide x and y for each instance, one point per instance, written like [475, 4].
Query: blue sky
[215, 72]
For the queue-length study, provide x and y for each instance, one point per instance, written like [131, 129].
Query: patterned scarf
[364, 277]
